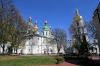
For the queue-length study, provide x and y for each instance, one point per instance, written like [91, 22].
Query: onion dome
[77, 17]
[46, 27]
[35, 27]
[30, 19]
[30, 23]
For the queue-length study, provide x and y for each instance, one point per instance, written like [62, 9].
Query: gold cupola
[35, 27]
[77, 17]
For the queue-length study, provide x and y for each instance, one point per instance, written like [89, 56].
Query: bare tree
[91, 29]
[71, 29]
[73, 32]
[60, 37]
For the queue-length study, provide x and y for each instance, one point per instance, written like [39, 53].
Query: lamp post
[69, 41]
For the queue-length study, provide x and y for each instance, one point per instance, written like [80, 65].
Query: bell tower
[79, 27]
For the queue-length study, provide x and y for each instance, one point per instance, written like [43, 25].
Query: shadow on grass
[82, 61]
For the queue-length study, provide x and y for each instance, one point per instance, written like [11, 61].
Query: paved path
[71, 62]
[62, 64]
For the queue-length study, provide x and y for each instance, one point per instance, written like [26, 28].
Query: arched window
[43, 33]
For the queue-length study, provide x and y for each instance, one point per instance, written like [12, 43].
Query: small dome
[35, 28]
[35, 22]
[46, 22]
[46, 28]
[30, 19]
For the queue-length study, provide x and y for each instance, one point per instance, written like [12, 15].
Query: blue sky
[59, 13]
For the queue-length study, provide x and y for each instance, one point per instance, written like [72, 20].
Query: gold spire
[35, 28]
[77, 17]
[77, 14]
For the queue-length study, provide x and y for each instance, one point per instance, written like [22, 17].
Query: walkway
[63, 64]
[73, 62]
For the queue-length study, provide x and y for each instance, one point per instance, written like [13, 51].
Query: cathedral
[36, 43]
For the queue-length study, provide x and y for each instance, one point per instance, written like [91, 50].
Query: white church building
[36, 43]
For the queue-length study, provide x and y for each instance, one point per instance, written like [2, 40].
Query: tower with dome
[79, 26]
[79, 29]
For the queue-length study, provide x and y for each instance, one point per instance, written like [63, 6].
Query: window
[46, 33]
[77, 24]
[43, 33]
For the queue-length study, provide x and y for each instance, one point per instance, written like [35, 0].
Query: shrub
[59, 58]
[87, 54]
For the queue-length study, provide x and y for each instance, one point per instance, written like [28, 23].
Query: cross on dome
[77, 13]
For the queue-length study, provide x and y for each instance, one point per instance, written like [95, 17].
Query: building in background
[96, 19]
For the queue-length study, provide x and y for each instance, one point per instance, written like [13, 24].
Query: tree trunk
[58, 52]
[9, 50]
[3, 48]
[16, 50]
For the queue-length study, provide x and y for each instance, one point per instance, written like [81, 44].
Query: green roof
[30, 24]
[46, 28]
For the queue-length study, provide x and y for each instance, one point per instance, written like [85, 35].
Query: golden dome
[77, 17]
[35, 28]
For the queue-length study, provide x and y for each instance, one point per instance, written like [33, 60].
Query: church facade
[39, 44]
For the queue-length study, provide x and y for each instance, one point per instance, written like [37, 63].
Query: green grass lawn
[28, 61]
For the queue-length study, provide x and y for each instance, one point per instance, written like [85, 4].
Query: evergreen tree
[84, 46]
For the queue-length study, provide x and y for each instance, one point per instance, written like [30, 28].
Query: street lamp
[69, 41]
